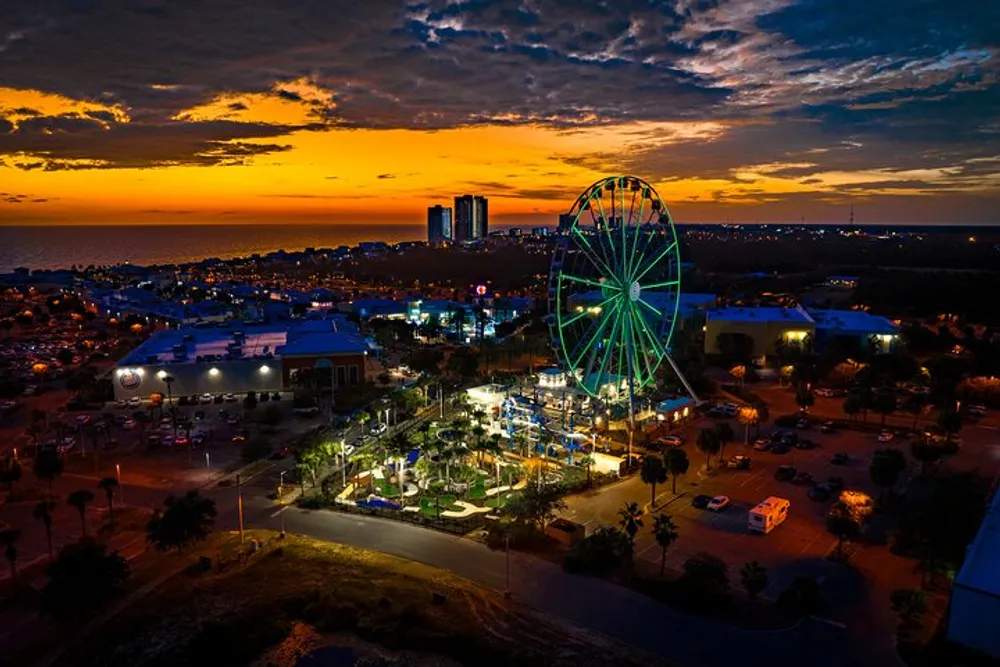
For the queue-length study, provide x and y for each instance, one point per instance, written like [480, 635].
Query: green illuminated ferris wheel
[614, 288]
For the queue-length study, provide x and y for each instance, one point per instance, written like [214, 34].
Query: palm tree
[169, 380]
[8, 540]
[587, 462]
[665, 532]
[109, 484]
[43, 512]
[753, 576]
[10, 472]
[48, 465]
[80, 499]
[677, 463]
[724, 432]
[652, 472]
[631, 521]
[747, 415]
[708, 444]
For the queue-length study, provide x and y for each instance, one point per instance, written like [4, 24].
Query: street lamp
[121, 489]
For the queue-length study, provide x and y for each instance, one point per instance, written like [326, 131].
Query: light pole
[121, 489]
[343, 462]
[239, 504]
[208, 463]
[281, 502]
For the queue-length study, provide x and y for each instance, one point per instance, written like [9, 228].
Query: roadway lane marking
[836, 624]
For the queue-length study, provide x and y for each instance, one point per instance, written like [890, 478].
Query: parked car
[205, 399]
[840, 459]
[828, 427]
[229, 398]
[218, 399]
[378, 428]
[672, 440]
[802, 423]
[762, 445]
[802, 477]
[886, 436]
[780, 448]
[804, 443]
[718, 503]
[740, 462]
[183, 400]
[181, 441]
[129, 424]
[153, 441]
[135, 402]
[977, 410]
[820, 492]
[826, 392]
[168, 441]
[275, 396]
[82, 420]
[239, 438]
[198, 439]
[121, 403]
[701, 501]
[785, 473]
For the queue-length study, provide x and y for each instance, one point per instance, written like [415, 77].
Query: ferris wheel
[614, 289]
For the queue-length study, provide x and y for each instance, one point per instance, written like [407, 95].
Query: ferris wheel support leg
[684, 381]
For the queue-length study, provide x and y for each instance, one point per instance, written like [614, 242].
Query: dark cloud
[19, 198]
[70, 142]
[385, 176]
[839, 84]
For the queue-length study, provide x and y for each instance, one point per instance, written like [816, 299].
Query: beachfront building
[238, 359]
[975, 594]
[439, 227]
[471, 218]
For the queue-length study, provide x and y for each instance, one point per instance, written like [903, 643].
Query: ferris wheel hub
[634, 290]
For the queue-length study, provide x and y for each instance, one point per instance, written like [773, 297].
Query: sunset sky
[149, 111]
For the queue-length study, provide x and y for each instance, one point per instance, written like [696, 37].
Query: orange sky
[529, 171]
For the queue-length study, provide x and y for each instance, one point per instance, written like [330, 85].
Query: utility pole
[239, 504]
[281, 501]
[121, 489]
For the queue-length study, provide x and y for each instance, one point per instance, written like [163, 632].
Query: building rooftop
[852, 322]
[979, 571]
[765, 314]
[179, 346]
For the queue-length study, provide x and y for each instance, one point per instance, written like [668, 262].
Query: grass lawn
[385, 489]
[306, 594]
[429, 507]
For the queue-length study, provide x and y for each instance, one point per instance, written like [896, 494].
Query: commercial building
[439, 228]
[471, 218]
[238, 359]
[975, 593]
[757, 332]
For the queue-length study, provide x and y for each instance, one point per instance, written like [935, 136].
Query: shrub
[802, 598]
[599, 553]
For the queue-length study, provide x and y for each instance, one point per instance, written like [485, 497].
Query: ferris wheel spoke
[636, 229]
[667, 283]
[649, 267]
[596, 259]
[613, 260]
[609, 349]
[654, 343]
[588, 281]
[592, 334]
[648, 305]
[589, 311]
[640, 322]
[649, 236]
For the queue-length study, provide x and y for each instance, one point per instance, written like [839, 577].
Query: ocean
[59, 247]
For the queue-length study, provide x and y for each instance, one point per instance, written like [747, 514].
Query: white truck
[768, 515]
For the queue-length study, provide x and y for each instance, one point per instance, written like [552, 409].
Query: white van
[768, 515]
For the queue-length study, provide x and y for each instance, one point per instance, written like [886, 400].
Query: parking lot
[796, 547]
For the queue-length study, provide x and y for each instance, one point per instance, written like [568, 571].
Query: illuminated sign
[130, 380]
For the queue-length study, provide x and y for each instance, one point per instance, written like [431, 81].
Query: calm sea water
[61, 247]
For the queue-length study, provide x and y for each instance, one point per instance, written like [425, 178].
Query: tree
[8, 540]
[587, 462]
[677, 463]
[10, 472]
[80, 499]
[708, 444]
[536, 506]
[705, 572]
[885, 468]
[630, 519]
[652, 471]
[747, 415]
[910, 605]
[82, 578]
[108, 485]
[843, 524]
[183, 521]
[884, 403]
[665, 533]
[43, 512]
[950, 422]
[48, 465]
[804, 398]
[754, 578]
[724, 433]
[852, 405]
[926, 453]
